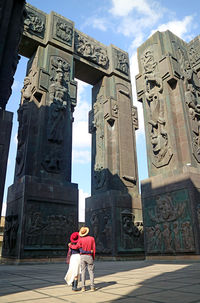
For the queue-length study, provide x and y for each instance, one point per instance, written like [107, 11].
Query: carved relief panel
[90, 50]
[191, 85]
[59, 117]
[121, 61]
[101, 228]
[154, 99]
[168, 223]
[48, 225]
[62, 31]
[35, 22]
[131, 233]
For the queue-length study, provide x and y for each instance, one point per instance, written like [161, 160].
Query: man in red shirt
[87, 247]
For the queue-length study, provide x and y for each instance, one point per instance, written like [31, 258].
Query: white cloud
[81, 137]
[178, 27]
[81, 156]
[82, 196]
[125, 7]
[99, 23]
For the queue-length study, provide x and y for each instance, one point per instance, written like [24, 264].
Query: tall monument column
[42, 204]
[169, 88]
[11, 28]
[113, 212]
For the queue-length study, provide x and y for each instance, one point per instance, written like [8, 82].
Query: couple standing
[82, 248]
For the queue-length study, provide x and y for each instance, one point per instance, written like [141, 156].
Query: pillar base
[171, 212]
[39, 220]
[115, 225]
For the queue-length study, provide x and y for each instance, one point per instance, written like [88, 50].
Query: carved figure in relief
[187, 236]
[99, 126]
[167, 237]
[64, 31]
[122, 62]
[23, 119]
[131, 233]
[33, 23]
[192, 97]
[165, 211]
[59, 102]
[10, 231]
[91, 51]
[50, 230]
[177, 243]
[158, 237]
[150, 239]
[107, 232]
[153, 93]
[96, 232]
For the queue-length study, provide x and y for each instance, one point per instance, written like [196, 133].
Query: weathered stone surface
[42, 184]
[116, 226]
[39, 220]
[5, 133]
[11, 28]
[169, 88]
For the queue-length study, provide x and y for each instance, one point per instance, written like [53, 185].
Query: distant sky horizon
[126, 24]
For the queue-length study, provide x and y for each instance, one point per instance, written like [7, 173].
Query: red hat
[74, 237]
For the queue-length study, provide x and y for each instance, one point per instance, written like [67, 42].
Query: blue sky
[126, 24]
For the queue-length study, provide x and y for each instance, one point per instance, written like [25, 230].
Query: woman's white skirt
[74, 269]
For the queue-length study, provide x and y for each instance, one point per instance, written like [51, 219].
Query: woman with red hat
[72, 276]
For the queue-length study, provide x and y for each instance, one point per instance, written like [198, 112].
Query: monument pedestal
[115, 225]
[39, 220]
[5, 133]
[171, 213]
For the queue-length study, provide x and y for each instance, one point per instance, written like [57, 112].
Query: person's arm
[94, 250]
[75, 246]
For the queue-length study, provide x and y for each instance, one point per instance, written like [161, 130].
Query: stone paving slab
[120, 281]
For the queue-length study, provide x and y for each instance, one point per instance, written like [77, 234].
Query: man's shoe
[93, 288]
[83, 289]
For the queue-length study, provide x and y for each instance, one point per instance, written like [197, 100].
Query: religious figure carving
[96, 231]
[47, 230]
[59, 101]
[165, 211]
[130, 232]
[23, 119]
[192, 96]
[107, 232]
[161, 150]
[187, 235]
[176, 231]
[98, 124]
[10, 231]
[193, 51]
[63, 31]
[91, 51]
[33, 23]
[167, 237]
[122, 63]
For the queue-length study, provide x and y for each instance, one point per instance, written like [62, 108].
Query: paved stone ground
[122, 281]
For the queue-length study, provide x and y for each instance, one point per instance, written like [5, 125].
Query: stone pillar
[42, 208]
[5, 131]
[11, 27]
[169, 88]
[113, 212]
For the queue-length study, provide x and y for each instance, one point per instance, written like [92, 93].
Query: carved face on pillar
[164, 208]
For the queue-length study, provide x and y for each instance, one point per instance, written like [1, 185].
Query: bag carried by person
[68, 255]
